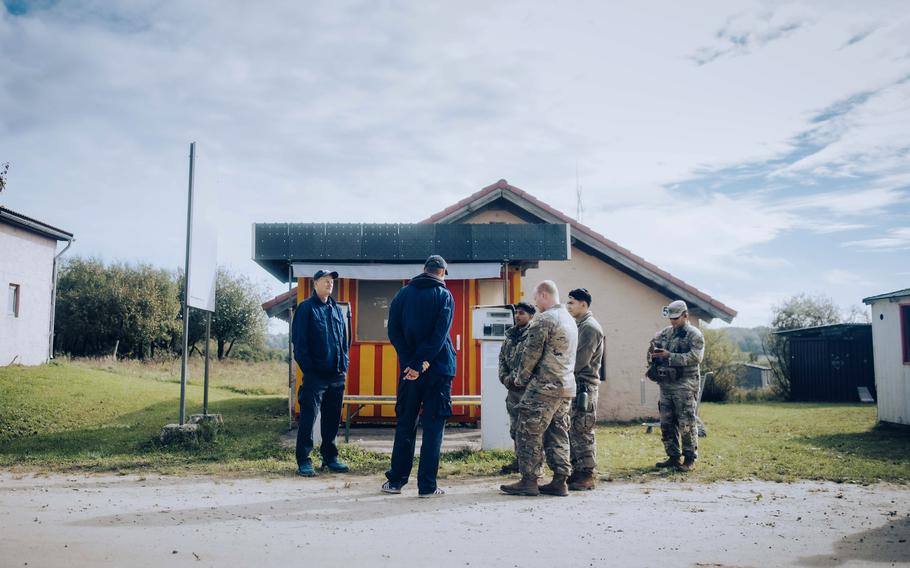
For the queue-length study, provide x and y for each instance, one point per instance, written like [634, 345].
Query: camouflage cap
[675, 309]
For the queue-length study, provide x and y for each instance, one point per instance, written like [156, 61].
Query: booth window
[905, 333]
[12, 305]
[373, 300]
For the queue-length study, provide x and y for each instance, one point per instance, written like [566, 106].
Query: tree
[100, 307]
[797, 312]
[4, 169]
[722, 358]
[238, 313]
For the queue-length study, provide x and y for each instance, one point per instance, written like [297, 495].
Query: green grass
[774, 441]
[105, 417]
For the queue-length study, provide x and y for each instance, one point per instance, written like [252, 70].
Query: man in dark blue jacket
[321, 352]
[419, 320]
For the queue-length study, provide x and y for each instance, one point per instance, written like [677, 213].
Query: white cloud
[894, 240]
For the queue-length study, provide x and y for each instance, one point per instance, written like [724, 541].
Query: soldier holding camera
[588, 360]
[674, 357]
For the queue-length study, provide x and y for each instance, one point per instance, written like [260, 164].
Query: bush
[722, 358]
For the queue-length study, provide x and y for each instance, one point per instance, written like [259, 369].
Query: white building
[28, 257]
[891, 348]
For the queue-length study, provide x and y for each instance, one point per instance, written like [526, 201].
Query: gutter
[50, 339]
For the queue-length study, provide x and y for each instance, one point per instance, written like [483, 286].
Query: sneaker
[306, 470]
[437, 493]
[336, 466]
[391, 488]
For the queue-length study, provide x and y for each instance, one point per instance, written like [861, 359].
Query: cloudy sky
[754, 149]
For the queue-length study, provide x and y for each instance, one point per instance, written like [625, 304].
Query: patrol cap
[582, 295]
[323, 272]
[525, 307]
[435, 262]
[675, 309]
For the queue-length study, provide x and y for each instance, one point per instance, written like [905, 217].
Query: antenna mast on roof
[579, 206]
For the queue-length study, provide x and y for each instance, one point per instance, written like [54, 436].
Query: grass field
[102, 416]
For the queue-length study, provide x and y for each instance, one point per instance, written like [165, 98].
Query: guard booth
[374, 261]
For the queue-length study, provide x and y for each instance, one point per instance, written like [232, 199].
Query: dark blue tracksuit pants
[432, 394]
[323, 393]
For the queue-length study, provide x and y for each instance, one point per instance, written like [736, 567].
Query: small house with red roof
[628, 294]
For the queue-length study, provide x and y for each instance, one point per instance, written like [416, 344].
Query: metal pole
[205, 391]
[290, 347]
[186, 287]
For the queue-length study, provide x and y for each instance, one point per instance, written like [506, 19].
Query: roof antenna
[579, 206]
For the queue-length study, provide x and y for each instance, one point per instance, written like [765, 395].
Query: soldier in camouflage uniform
[508, 364]
[546, 370]
[681, 346]
[588, 360]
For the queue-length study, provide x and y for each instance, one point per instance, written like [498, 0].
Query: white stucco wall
[628, 311]
[892, 376]
[25, 259]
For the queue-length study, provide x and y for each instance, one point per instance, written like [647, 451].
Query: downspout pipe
[50, 340]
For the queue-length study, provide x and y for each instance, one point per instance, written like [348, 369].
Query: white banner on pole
[203, 257]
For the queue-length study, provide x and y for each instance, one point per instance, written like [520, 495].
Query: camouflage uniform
[546, 370]
[508, 364]
[678, 399]
[588, 360]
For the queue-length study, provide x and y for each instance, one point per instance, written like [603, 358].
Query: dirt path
[127, 521]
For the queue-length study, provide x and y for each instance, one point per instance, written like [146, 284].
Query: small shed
[891, 345]
[830, 363]
[752, 376]
[28, 275]
[375, 260]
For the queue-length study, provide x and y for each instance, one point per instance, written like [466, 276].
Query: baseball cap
[675, 309]
[323, 272]
[435, 262]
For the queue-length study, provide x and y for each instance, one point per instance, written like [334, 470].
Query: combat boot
[584, 481]
[687, 465]
[526, 486]
[510, 467]
[671, 462]
[556, 487]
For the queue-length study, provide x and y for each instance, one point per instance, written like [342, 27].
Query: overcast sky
[754, 149]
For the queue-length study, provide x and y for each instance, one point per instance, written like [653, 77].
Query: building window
[12, 304]
[905, 332]
[373, 300]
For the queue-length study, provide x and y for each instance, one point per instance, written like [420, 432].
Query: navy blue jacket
[419, 321]
[320, 341]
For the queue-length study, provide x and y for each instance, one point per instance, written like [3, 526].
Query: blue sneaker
[336, 466]
[306, 470]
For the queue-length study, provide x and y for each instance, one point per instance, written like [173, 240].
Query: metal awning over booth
[379, 271]
[374, 248]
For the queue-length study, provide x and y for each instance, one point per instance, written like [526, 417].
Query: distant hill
[276, 340]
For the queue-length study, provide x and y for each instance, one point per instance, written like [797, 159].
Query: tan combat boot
[687, 465]
[526, 486]
[556, 487]
[584, 481]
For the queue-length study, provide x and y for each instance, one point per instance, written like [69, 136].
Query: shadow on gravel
[888, 544]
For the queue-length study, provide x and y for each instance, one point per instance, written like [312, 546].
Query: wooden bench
[356, 402]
